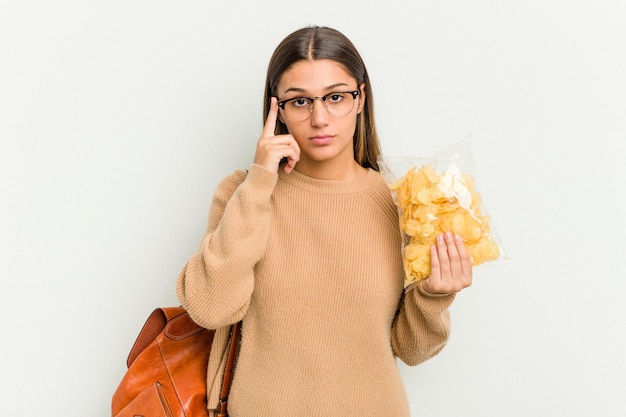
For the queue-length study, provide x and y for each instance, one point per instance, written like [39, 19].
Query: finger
[465, 260]
[272, 141]
[431, 283]
[456, 271]
[290, 165]
[270, 123]
[435, 283]
[271, 151]
[444, 261]
[435, 267]
[275, 153]
[293, 159]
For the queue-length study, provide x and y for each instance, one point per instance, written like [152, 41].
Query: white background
[118, 118]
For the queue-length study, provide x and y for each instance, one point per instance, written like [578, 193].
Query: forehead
[315, 76]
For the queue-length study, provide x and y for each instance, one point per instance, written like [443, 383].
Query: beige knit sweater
[314, 269]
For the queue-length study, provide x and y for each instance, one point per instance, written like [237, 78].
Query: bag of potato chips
[437, 195]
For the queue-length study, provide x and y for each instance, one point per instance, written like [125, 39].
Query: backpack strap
[229, 371]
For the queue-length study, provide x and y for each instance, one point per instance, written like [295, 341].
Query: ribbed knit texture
[314, 269]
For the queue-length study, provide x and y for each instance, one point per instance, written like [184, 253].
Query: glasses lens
[298, 109]
[337, 104]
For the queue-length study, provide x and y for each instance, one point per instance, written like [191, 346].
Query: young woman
[304, 246]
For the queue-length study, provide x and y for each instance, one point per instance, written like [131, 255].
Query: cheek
[297, 130]
[350, 126]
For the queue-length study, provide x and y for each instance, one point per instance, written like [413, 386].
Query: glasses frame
[354, 93]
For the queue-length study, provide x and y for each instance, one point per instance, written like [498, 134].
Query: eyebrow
[302, 90]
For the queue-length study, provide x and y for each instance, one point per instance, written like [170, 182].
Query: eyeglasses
[338, 103]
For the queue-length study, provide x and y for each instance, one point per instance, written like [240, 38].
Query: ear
[361, 98]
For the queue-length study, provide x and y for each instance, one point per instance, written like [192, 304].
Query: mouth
[322, 139]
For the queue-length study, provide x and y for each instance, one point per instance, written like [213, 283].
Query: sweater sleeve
[422, 325]
[216, 284]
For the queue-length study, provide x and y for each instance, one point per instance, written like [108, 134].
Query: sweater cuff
[425, 293]
[437, 301]
[422, 291]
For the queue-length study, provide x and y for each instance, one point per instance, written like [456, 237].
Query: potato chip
[464, 225]
[424, 196]
[430, 204]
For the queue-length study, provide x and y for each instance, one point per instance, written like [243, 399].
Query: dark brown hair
[315, 42]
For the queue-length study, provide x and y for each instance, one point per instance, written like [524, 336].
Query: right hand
[271, 149]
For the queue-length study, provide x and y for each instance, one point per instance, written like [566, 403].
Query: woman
[305, 248]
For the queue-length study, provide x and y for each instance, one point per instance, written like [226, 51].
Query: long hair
[316, 42]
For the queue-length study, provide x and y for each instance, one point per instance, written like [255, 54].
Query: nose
[319, 114]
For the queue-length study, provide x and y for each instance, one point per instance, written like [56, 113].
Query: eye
[300, 102]
[335, 97]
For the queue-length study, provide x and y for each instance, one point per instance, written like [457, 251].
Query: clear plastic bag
[437, 195]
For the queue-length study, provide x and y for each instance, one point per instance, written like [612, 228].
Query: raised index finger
[270, 124]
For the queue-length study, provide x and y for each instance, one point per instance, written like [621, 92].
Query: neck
[331, 170]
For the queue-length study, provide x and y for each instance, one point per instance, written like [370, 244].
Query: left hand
[450, 266]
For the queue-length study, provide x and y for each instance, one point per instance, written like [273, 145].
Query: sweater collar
[296, 179]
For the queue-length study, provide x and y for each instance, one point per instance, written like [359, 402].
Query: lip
[322, 139]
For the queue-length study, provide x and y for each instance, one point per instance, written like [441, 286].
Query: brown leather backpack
[167, 369]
